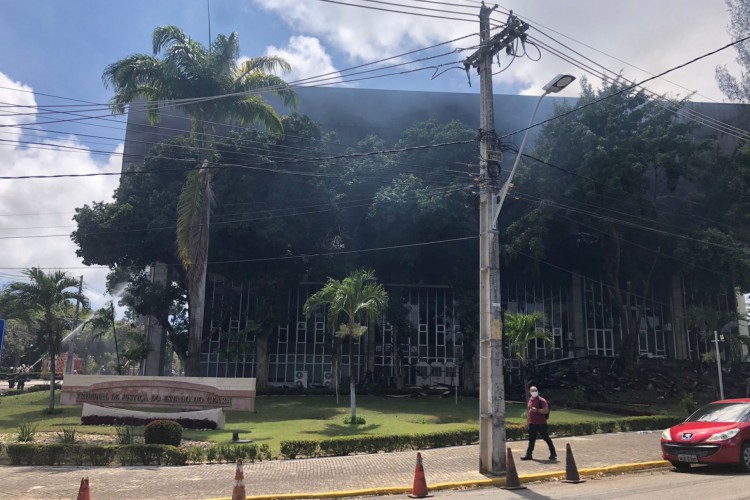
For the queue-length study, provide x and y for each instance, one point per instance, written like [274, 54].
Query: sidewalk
[315, 476]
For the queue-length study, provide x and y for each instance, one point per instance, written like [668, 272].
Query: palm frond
[196, 197]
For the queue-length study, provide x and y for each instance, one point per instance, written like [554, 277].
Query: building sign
[185, 393]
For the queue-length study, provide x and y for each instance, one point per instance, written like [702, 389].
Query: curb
[499, 481]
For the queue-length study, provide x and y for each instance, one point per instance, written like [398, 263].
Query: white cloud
[307, 57]
[39, 206]
[653, 36]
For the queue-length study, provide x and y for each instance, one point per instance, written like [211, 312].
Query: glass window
[722, 412]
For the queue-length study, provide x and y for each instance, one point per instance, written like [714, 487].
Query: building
[580, 309]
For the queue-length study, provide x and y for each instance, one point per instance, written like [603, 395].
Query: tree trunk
[336, 367]
[352, 394]
[261, 360]
[197, 291]
[53, 368]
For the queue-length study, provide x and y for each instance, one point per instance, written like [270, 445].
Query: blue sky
[60, 48]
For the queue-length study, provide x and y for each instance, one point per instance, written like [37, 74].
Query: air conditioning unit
[300, 378]
[327, 379]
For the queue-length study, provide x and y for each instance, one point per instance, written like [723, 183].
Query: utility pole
[71, 347]
[491, 384]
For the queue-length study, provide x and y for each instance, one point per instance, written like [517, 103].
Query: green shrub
[212, 454]
[26, 432]
[163, 432]
[67, 436]
[141, 454]
[264, 452]
[100, 454]
[125, 434]
[22, 454]
[250, 451]
[196, 454]
[175, 456]
[307, 448]
[688, 402]
[358, 420]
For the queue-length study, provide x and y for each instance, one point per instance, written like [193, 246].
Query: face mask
[534, 394]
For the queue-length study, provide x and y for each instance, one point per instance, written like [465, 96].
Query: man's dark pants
[541, 431]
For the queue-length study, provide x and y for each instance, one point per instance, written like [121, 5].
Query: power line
[628, 88]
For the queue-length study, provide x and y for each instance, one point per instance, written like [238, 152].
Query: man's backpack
[549, 408]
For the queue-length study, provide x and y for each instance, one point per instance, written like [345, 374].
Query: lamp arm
[499, 198]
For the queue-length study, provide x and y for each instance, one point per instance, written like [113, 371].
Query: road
[702, 483]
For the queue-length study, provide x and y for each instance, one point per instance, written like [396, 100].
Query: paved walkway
[313, 475]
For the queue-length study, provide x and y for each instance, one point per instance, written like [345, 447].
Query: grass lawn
[300, 417]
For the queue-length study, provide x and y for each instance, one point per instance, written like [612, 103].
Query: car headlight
[723, 436]
[666, 435]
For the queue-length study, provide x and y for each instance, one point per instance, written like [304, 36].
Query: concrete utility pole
[491, 385]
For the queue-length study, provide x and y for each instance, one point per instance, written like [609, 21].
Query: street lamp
[553, 87]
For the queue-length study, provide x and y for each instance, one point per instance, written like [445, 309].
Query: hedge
[131, 454]
[79, 454]
[186, 423]
[375, 444]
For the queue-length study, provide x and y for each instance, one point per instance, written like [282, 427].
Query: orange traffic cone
[238, 493]
[83, 491]
[511, 475]
[419, 489]
[571, 471]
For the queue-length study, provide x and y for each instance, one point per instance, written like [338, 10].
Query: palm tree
[101, 322]
[520, 329]
[43, 300]
[353, 299]
[212, 86]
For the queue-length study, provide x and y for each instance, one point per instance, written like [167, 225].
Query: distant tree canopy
[737, 88]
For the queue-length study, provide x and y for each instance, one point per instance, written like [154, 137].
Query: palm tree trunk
[352, 394]
[53, 368]
[198, 294]
[261, 360]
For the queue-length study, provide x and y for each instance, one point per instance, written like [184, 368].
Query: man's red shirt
[534, 417]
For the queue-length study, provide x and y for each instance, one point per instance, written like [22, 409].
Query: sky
[53, 54]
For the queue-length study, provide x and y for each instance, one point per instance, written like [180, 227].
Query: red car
[718, 433]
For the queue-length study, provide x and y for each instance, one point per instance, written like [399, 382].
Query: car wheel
[745, 457]
[680, 466]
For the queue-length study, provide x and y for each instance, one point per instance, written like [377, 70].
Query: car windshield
[722, 412]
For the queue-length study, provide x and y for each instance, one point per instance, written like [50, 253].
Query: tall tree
[590, 208]
[212, 86]
[44, 300]
[352, 300]
[737, 88]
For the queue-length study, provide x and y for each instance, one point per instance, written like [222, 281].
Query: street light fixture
[554, 86]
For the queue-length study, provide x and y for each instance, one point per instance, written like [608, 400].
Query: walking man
[538, 413]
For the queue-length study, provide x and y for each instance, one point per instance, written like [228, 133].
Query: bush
[186, 423]
[307, 448]
[264, 453]
[141, 454]
[163, 432]
[67, 436]
[100, 454]
[358, 420]
[125, 434]
[26, 432]
[688, 402]
[22, 454]
[196, 454]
